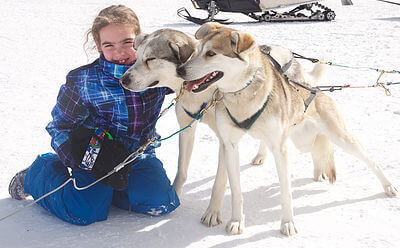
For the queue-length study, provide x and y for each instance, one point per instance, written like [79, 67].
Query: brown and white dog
[254, 92]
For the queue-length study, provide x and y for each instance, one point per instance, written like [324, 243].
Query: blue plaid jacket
[92, 97]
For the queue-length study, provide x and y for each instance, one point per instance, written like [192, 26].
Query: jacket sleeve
[69, 113]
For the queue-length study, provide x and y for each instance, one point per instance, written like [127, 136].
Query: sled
[261, 10]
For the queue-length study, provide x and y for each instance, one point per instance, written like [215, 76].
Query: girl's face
[116, 43]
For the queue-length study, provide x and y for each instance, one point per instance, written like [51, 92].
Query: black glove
[112, 152]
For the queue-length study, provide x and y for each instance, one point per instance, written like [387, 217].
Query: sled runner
[261, 10]
[389, 2]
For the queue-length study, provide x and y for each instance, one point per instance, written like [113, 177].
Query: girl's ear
[139, 39]
[98, 47]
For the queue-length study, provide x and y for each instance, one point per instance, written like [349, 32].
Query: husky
[158, 56]
[253, 90]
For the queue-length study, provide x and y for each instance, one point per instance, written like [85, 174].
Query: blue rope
[313, 60]
[361, 67]
[196, 118]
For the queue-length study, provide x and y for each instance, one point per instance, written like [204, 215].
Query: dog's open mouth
[201, 84]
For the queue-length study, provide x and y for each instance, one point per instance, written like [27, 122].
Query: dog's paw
[211, 218]
[178, 190]
[258, 159]
[391, 191]
[288, 228]
[235, 227]
[319, 176]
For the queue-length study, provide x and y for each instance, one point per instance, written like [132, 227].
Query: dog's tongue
[191, 84]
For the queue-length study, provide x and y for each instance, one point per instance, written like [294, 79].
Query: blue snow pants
[149, 191]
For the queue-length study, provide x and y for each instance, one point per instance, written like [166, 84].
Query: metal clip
[387, 91]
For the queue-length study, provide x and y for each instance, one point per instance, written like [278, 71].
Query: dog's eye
[150, 59]
[147, 61]
[210, 53]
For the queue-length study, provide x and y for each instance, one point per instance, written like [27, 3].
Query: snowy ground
[41, 42]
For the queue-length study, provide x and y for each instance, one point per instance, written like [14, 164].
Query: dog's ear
[185, 52]
[181, 51]
[139, 39]
[207, 28]
[241, 42]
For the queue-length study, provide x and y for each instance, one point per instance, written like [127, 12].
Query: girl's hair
[115, 14]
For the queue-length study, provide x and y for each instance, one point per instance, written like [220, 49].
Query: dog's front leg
[231, 157]
[186, 141]
[212, 216]
[282, 165]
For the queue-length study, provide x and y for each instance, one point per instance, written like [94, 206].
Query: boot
[16, 187]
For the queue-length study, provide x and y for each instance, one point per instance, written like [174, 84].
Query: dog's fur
[159, 55]
[238, 57]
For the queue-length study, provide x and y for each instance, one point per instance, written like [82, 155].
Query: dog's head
[223, 56]
[158, 56]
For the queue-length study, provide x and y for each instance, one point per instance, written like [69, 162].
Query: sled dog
[158, 56]
[253, 90]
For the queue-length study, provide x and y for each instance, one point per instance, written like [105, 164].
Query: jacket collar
[114, 70]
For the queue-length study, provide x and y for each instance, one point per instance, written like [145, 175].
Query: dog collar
[252, 79]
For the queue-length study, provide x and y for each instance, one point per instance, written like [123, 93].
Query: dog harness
[282, 69]
[246, 124]
[195, 115]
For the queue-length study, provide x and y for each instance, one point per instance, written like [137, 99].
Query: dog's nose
[125, 80]
[181, 71]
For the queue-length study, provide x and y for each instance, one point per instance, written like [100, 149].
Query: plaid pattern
[93, 97]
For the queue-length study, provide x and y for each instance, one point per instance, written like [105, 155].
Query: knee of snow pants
[69, 204]
[149, 190]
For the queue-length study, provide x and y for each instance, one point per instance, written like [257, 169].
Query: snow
[41, 41]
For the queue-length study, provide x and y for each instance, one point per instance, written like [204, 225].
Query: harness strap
[197, 115]
[246, 124]
[281, 69]
[278, 67]
[310, 98]
[286, 66]
[298, 56]
[313, 92]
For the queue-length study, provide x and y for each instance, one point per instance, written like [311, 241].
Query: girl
[92, 107]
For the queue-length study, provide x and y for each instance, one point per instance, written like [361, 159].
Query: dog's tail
[318, 73]
[324, 163]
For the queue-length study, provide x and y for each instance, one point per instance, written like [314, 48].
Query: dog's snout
[125, 80]
[181, 71]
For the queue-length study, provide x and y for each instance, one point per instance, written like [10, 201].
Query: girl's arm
[68, 114]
